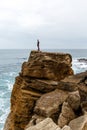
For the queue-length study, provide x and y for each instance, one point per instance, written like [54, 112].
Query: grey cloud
[58, 24]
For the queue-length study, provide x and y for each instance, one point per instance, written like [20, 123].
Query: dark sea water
[10, 66]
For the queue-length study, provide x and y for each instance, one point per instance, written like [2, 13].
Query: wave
[4, 115]
[4, 110]
[7, 80]
[79, 65]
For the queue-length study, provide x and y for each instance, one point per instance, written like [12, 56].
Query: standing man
[38, 45]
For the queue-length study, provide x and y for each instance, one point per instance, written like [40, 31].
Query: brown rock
[76, 78]
[45, 86]
[67, 86]
[23, 110]
[46, 124]
[67, 114]
[8, 124]
[62, 121]
[55, 66]
[49, 103]
[86, 81]
[66, 128]
[22, 104]
[83, 92]
[39, 85]
[61, 57]
[79, 123]
[74, 100]
[35, 120]
[84, 106]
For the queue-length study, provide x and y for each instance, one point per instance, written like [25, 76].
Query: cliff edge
[46, 88]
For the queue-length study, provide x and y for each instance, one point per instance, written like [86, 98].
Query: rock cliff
[46, 90]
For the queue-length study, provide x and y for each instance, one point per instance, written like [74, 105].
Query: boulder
[74, 100]
[46, 124]
[83, 91]
[76, 78]
[49, 103]
[54, 66]
[35, 120]
[79, 123]
[67, 114]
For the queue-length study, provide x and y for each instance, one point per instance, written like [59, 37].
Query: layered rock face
[46, 87]
[51, 66]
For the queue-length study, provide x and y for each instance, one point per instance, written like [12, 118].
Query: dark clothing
[38, 45]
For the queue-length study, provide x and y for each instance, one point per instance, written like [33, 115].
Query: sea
[10, 66]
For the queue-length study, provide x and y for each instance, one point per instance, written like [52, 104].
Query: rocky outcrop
[52, 66]
[46, 88]
[82, 60]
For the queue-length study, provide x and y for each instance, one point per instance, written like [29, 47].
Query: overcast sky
[56, 23]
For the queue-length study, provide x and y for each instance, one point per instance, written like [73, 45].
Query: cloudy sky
[56, 23]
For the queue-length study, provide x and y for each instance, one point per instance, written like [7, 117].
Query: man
[38, 45]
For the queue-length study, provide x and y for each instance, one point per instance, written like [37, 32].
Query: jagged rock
[79, 123]
[67, 114]
[61, 57]
[84, 106]
[22, 104]
[67, 86]
[8, 124]
[75, 78]
[74, 100]
[86, 81]
[82, 60]
[83, 92]
[55, 66]
[66, 128]
[49, 103]
[23, 110]
[46, 124]
[83, 89]
[45, 86]
[40, 85]
[72, 83]
[35, 120]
